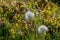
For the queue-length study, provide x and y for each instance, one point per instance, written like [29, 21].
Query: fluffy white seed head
[29, 15]
[42, 29]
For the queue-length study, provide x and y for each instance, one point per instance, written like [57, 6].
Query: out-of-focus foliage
[14, 26]
[56, 1]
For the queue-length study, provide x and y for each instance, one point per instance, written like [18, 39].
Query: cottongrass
[42, 29]
[29, 15]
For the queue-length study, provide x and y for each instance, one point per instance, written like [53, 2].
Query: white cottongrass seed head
[42, 29]
[29, 15]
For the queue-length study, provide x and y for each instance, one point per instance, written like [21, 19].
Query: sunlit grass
[14, 25]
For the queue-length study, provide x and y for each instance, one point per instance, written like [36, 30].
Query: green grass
[13, 25]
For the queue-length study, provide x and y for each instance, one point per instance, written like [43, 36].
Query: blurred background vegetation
[13, 25]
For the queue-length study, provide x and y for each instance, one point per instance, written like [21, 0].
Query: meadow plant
[42, 29]
[29, 15]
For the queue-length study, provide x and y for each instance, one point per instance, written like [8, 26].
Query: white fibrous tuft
[42, 29]
[29, 15]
